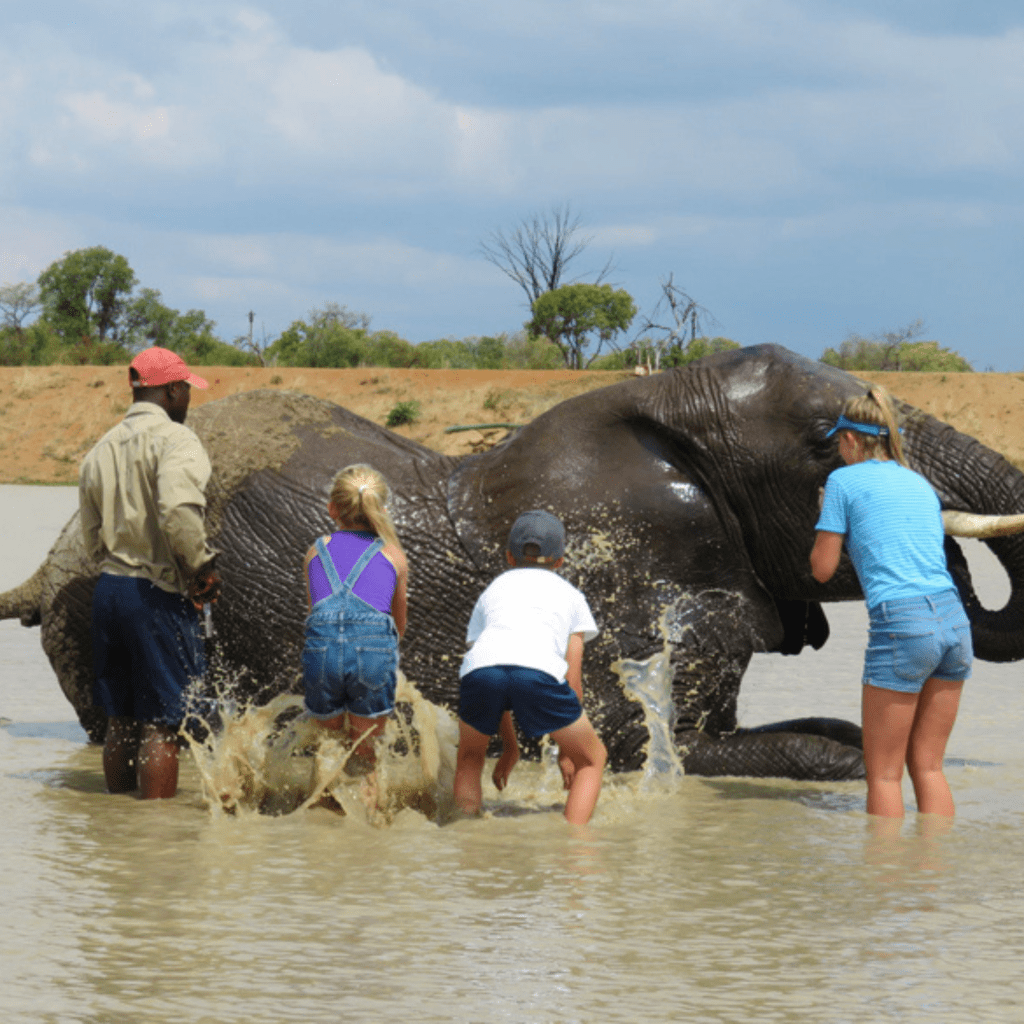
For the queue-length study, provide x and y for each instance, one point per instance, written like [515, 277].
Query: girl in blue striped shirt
[919, 647]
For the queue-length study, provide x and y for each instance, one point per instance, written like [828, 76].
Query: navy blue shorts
[914, 639]
[146, 648]
[539, 701]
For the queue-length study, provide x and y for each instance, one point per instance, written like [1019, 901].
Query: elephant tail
[25, 602]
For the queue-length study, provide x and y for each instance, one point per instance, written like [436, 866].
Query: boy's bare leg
[120, 754]
[581, 745]
[158, 761]
[469, 768]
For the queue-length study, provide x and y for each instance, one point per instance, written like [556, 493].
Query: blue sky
[803, 169]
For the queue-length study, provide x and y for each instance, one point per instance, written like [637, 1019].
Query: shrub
[403, 413]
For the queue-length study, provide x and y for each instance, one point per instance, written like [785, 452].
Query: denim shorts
[539, 701]
[147, 650]
[350, 660]
[914, 639]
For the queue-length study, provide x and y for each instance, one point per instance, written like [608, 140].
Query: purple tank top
[376, 585]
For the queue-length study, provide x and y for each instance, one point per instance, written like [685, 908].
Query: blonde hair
[877, 408]
[360, 495]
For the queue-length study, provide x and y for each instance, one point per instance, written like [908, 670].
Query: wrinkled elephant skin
[689, 500]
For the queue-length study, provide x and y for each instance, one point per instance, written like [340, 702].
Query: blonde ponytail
[877, 409]
[360, 495]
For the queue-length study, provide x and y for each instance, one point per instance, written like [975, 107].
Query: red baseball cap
[156, 366]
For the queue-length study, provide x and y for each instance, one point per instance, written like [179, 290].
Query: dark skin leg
[120, 754]
[158, 762]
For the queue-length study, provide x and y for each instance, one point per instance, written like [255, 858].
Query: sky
[803, 169]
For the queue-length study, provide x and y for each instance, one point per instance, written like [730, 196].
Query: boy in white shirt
[527, 633]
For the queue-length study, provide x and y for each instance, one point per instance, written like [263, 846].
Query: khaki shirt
[141, 498]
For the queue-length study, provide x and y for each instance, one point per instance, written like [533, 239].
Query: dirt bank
[51, 416]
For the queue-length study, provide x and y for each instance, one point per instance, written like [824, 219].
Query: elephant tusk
[967, 524]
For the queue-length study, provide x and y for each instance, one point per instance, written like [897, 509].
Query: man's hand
[205, 586]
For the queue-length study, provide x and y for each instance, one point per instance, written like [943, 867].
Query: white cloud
[246, 104]
[235, 159]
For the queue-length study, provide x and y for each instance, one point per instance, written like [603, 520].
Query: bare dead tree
[256, 347]
[18, 301]
[538, 251]
[675, 315]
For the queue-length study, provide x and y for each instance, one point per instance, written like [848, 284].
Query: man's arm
[90, 519]
[182, 475]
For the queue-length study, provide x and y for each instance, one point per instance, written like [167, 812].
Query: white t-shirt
[525, 617]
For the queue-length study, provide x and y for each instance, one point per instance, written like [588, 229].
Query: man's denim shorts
[539, 701]
[349, 663]
[915, 639]
[147, 650]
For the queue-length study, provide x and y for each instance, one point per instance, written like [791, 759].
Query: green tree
[446, 354]
[496, 352]
[646, 352]
[525, 351]
[37, 344]
[385, 348]
[335, 336]
[577, 317]
[147, 321]
[84, 296]
[895, 350]
[330, 336]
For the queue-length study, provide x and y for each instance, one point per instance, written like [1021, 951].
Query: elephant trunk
[973, 479]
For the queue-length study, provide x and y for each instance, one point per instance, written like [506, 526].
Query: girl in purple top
[356, 584]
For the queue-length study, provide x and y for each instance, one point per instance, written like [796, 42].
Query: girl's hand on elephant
[503, 769]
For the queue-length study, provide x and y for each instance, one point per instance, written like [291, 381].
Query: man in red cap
[142, 501]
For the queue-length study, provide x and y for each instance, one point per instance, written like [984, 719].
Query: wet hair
[877, 409]
[360, 495]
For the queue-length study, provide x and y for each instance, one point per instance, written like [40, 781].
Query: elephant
[689, 500]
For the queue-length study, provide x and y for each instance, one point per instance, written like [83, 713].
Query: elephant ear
[803, 623]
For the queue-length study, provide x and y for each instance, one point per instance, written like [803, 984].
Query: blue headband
[862, 428]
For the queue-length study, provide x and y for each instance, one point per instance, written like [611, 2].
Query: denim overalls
[350, 661]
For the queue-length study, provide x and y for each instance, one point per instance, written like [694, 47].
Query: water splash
[273, 759]
[649, 684]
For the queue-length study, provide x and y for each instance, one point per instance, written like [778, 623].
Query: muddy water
[697, 900]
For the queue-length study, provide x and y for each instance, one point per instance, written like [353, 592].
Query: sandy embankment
[50, 416]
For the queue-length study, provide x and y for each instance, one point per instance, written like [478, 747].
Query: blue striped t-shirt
[892, 522]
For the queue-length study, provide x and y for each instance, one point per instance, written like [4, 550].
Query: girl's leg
[936, 712]
[357, 726]
[887, 717]
[581, 745]
[469, 768]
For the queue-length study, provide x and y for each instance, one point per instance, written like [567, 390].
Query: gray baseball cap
[540, 528]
